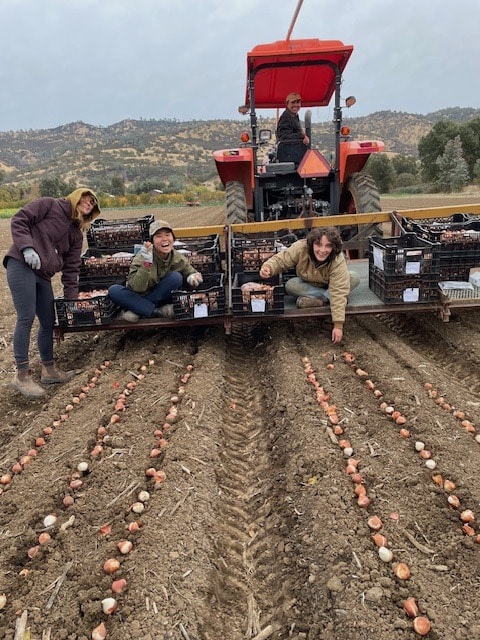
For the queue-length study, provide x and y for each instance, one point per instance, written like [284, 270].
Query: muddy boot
[26, 385]
[304, 302]
[51, 374]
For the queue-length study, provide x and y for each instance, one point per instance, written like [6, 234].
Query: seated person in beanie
[322, 275]
[154, 273]
[291, 138]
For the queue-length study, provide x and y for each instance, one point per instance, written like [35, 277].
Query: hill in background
[168, 150]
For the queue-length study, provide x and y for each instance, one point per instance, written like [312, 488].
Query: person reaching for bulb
[154, 274]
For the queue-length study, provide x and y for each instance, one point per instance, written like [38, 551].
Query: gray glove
[32, 258]
[195, 279]
[147, 255]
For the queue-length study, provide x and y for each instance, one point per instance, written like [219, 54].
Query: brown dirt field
[256, 531]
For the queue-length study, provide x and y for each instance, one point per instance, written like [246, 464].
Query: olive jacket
[141, 279]
[332, 274]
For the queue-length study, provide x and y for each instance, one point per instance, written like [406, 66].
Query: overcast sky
[102, 61]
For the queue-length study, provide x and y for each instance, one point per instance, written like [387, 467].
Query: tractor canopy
[306, 66]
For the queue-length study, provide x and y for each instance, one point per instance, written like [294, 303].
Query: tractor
[262, 186]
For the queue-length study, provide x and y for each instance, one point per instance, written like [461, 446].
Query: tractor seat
[291, 152]
[280, 167]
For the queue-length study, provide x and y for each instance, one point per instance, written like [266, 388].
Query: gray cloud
[101, 62]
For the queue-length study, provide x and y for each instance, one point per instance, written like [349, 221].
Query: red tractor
[259, 189]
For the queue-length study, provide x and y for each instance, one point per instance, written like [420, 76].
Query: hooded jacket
[142, 280]
[51, 226]
[333, 273]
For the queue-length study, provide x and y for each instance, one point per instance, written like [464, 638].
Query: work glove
[32, 258]
[195, 279]
[147, 255]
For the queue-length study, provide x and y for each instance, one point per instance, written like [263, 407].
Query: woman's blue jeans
[144, 305]
[297, 287]
[32, 296]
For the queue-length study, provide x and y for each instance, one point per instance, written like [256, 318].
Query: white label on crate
[378, 258]
[412, 267]
[258, 305]
[200, 310]
[411, 295]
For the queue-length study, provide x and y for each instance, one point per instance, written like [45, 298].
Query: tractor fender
[354, 156]
[236, 165]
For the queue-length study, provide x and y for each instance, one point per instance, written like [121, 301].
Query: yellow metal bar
[439, 212]
[186, 232]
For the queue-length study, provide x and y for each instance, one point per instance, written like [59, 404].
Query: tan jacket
[334, 274]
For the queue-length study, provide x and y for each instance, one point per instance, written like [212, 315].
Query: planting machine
[273, 198]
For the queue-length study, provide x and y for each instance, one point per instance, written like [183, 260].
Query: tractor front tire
[235, 202]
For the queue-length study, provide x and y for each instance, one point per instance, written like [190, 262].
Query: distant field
[184, 216]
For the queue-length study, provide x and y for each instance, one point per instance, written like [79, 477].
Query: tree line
[448, 160]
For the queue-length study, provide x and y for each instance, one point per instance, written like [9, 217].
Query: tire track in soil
[447, 345]
[248, 581]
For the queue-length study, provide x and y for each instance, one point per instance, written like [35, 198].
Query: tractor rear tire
[236, 204]
[360, 195]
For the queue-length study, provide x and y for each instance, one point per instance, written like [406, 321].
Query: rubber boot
[51, 374]
[26, 385]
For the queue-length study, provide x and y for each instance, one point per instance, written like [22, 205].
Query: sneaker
[130, 316]
[304, 302]
[167, 311]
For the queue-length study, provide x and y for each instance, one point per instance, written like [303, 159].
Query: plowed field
[255, 524]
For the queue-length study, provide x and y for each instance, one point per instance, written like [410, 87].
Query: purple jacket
[46, 225]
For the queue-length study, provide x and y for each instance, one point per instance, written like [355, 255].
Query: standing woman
[47, 239]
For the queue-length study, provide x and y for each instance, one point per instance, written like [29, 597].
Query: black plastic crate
[269, 300]
[122, 233]
[453, 272]
[404, 255]
[411, 225]
[203, 252]
[394, 289]
[99, 264]
[208, 300]
[454, 237]
[249, 251]
[81, 312]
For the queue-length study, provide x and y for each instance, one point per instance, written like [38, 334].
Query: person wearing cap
[47, 238]
[291, 138]
[154, 274]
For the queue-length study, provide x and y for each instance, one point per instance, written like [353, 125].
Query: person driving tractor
[292, 139]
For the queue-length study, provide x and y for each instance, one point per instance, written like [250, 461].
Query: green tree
[405, 180]
[452, 168]
[476, 172]
[405, 164]
[470, 136]
[432, 146]
[117, 186]
[55, 187]
[380, 167]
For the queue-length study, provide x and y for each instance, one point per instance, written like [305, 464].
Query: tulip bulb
[100, 632]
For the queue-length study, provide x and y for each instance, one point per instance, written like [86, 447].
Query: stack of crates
[459, 238]
[203, 253]
[252, 294]
[404, 269]
[111, 246]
